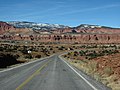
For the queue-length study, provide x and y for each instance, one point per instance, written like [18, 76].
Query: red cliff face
[100, 31]
[8, 29]
[78, 38]
[4, 27]
[68, 35]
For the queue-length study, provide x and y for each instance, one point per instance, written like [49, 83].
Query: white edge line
[8, 69]
[79, 74]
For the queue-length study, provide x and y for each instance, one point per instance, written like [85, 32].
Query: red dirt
[97, 35]
[112, 61]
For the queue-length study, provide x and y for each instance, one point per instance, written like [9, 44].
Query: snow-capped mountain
[87, 26]
[48, 27]
[36, 26]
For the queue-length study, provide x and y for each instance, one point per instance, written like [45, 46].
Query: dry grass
[91, 69]
[112, 82]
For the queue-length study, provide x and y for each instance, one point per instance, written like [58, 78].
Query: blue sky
[66, 12]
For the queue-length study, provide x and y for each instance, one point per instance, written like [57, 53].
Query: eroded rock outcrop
[6, 29]
[65, 35]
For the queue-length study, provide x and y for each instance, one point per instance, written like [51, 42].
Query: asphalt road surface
[48, 74]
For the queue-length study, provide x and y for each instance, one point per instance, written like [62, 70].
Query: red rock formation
[5, 27]
[74, 38]
[8, 29]
[67, 35]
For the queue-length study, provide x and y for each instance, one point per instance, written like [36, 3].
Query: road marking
[79, 74]
[31, 77]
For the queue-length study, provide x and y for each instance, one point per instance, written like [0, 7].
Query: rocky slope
[7, 29]
[81, 34]
[4, 27]
[36, 26]
[96, 29]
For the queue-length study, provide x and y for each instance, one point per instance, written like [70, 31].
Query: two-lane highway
[49, 74]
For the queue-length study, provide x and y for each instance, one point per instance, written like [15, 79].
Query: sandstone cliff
[65, 35]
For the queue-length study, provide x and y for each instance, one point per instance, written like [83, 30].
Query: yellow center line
[31, 77]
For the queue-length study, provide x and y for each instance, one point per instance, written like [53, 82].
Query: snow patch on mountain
[36, 26]
[87, 26]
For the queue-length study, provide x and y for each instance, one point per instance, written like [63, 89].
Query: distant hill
[36, 26]
[83, 33]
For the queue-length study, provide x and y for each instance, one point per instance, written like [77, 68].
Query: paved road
[49, 74]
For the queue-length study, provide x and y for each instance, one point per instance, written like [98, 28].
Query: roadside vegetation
[27, 51]
[16, 53]
[8, 59]
[101, 62]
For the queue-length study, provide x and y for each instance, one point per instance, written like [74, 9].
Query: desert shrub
[108, 70]
[104, 46]
[92, 55]
[69, 53]
[53, 51]
[38, 56]
[86, 57]
[65, 56]
[16, 56]
[14, 47]
[28, 56]
[71, 48]
[7, 60]
[24, 51]
[1, 49]
[75, 61]
[51, 48]
[61, 48]
[76, 53]
[82, 53]
[83, 46]
[44, 50]
[93, 66]
[109, 52]
[47, 54]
